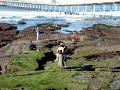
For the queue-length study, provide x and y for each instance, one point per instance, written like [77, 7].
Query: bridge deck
[78, 2]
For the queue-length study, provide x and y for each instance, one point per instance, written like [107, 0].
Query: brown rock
[21, 22]
[5, 26]
[7, 36]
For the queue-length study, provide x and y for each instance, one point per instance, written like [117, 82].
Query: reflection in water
[80, 77]
[115, 85]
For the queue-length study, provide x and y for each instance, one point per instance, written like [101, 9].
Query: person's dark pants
[65, 60]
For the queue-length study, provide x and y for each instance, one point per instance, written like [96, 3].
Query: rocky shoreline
[95, 49]
[100, 35]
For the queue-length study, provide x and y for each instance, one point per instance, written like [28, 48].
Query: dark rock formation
[21, 22]
[100, 56]
[5, 26]
[7, 33]
[46, 29]
[109, 35]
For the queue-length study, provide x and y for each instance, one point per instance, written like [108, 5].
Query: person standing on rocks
[73, 37]
[38, 33]
[59, 56]
[64, 54]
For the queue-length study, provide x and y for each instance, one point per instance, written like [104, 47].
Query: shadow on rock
[84, 67]
[49, 56]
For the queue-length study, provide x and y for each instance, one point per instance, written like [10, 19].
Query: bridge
[47, 6]
[65, 2]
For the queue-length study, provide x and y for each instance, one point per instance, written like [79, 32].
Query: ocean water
[76, 22]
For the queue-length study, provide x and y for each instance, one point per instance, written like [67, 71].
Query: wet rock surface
[5, 26]
[7, 34]
[46, 31]
[109, 35]
[21, 22]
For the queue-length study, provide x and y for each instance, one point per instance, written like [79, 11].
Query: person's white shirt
[60, 48]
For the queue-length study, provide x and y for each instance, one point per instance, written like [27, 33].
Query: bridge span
[59, 4]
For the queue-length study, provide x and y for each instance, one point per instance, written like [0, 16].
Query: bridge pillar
[78, 9]
[11, 5]
[42, 7]
[60, 9]
[85, 9]
[115, 10]
[65, 10]
[34, 7]
[104, 11]
[16, 5]
[51, 8]
[94, 10]
[30, 6]
[55, 8]
[24, 6]
[7, 4]
[19, 5]
[70, 10]
[111, 11]
[46, 8]
[101, 11]
[37, 7]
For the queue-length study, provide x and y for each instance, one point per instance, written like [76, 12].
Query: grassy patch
[27, 61]
[60, 79]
